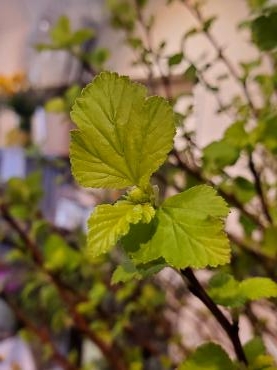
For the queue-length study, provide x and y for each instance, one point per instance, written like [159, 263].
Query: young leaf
[258, 287]
[218, 155]
[175, 59]
[209, 356]
[189, 231]
[227, 291]
[123, 136]
[128, 271]
[109, 222]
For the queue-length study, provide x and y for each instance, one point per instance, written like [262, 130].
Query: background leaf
[209, 356]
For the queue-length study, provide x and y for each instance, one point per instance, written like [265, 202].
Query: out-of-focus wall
[25, 22]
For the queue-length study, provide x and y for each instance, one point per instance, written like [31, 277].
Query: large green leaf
[109, 222]
[188, 231]
[209, 356]
[123, 136]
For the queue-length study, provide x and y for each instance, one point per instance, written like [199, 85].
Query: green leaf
[175, 59]
[56, 105]
[189, 231]
[269, 245]
[208, 23]
[59, 255]
[108, 223]
[190, 74]
[218, 155]
[264, 29]
[123, 136]
[258, 287]
[128, 271]
[81, 36]
[60, 33]
[243, 189]
[97, 57]
[254, 348]
[227, 291]
[224, 290]
[236, 136]
[257, 4]
[209, 356]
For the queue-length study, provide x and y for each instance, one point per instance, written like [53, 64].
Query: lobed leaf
[108, 223]
[188, 231]
[123, 136]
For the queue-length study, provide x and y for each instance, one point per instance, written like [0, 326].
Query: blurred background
[57, 311]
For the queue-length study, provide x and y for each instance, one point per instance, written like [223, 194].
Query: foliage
[170, 211]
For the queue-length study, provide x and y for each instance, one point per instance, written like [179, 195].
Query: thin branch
[43, 334]
[111, 352]
[231, 329]
[259, 188]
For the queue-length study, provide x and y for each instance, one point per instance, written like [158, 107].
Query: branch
[43, 334]
[111, 352]
[259, 189]
[231, 329]
[197, 14]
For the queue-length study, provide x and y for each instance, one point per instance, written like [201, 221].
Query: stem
[231, 329]
[259, 188]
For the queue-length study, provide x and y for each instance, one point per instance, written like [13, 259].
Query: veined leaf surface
[122, 137]
[109, 222]
[189, 231]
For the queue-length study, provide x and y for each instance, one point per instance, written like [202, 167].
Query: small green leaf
[123, 136]
[190, 74]
[264, 29]
[108, 223]
[59, 255]
[269, 245]
[254, 348]
[208, 23]
[56, 105]
[224, 290]
[258, 287]
[209, 356]
[227, 291]
[189, 231]
[60, 33]
[218, 155]
[81, 36]
[175, 59]
[128, 271]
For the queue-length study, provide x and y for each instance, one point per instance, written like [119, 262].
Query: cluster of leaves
[51, 267]
[122, 138]
[122, 141]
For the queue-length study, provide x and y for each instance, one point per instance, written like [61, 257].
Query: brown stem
[231, 329]
[259, 188]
